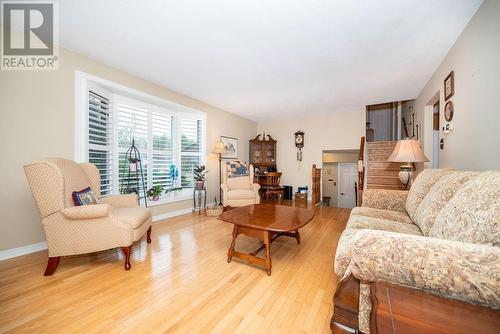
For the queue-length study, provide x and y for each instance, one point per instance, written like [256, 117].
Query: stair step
[384, 180]
[382, 172]
[378, 186]
[379, 157]
[384, 165]
[373, 144]
[380, 151]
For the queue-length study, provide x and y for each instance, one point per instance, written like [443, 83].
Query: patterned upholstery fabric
[473, 214]
[420, 187]
[393, 200]
[236, 169]
[453, 251]
[396, 216]
[437, 197]
[82, 229]
[94, 177]
[239, 191]
[363, 222]
[365, 307]
[453, 269]
[120, 201]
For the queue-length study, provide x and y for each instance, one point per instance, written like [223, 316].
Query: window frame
[119, 93]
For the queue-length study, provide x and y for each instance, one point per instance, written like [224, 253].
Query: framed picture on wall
[231, 147]
[449, 86]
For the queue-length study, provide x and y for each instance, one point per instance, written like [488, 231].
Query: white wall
[474, 143]
[336, 131]
[37, 120]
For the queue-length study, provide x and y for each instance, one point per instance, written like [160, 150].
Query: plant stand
[199, 197]
[132, 176]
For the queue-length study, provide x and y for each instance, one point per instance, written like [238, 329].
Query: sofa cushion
[242, 182]
[133, 216]
[437, 197]
[396, 216]
[241, 194]
[420, 187]
[473, 213]
[364, 222]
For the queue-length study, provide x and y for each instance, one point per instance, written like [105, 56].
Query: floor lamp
[219, 149]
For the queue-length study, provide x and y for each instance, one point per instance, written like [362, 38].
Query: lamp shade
[219, 148]
[407, 150]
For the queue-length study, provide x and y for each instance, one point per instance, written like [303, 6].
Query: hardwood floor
[181, 283]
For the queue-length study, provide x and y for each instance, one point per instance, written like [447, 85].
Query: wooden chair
[273, 187]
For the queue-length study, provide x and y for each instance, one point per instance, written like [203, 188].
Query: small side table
[199, 197]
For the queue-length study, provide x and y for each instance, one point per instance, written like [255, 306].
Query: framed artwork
[448, 111]
[231, 147]
[449, 86]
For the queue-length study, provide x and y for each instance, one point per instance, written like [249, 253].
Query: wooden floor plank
[181, 283]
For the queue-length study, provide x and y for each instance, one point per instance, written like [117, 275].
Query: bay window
[168, 139]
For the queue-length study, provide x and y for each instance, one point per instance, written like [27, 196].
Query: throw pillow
[236, 169]
[84, 197]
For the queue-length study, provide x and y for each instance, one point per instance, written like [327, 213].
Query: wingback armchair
[239, 190]
[116, 221]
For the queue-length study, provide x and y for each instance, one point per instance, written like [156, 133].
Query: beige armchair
[239, 191]
[116, 221]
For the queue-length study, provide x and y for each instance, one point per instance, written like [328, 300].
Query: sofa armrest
[120, 201]
[86, 211]
[460, 270]
[393, 200]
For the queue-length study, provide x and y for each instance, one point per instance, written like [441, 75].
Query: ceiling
[267, 59]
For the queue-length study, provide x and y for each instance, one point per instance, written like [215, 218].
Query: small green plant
[155, 191]
[199, 173]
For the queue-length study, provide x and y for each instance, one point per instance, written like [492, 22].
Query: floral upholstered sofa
[442, 237]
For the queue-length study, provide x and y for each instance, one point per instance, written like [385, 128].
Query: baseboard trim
[171, 214]
[19, 251]
[23, 250]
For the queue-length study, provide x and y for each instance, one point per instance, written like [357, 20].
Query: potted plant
[199, 176]
[173, 171]
[154, 192]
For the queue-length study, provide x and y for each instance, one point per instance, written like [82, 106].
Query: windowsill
[172, 197]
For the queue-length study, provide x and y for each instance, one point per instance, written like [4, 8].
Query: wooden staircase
[380, 173]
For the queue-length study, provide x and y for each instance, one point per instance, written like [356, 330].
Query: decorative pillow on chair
[84, 197]
[236, 169]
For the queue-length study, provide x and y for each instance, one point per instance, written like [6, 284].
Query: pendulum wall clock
[299, 143]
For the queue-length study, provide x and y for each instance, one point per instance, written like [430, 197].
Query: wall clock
[299, 143]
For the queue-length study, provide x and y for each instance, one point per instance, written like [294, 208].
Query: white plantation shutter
[101, 139]
[132, 125]
[163, 150]
[190, 149]
[163, 138]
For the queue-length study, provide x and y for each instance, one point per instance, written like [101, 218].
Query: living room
[171, 175]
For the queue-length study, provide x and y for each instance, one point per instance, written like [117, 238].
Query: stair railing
[361, 171]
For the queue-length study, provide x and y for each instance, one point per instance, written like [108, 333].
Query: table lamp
[407, 151]
[219, 149]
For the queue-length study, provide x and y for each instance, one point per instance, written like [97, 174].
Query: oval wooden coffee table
[266, 222]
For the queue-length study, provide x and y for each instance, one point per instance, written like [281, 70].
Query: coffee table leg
[231, 248]
[297, 236]
[267, 242]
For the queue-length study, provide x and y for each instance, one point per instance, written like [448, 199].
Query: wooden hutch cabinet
[262, 153]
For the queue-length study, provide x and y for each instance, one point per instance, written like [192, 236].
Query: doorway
[435, 135]
[339, 176]
[348, 173]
